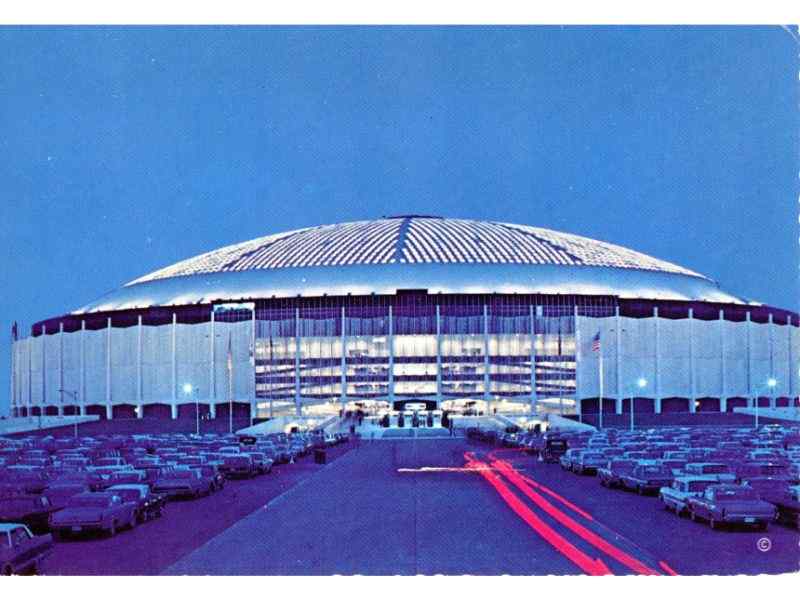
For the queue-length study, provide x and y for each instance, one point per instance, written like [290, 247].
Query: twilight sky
[123, 150]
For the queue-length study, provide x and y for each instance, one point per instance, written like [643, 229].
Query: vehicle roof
[96, 494]
[688, 478]
[6, 527]
[130, 486]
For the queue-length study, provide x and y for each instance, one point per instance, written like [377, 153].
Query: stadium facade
[450, 312]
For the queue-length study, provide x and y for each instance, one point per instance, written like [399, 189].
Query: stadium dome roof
[413, 252]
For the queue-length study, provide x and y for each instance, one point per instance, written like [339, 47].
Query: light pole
[189, 389]
[770, 383]
[74, 395]
[641, 383]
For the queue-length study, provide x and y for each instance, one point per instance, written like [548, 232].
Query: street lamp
[770, 383]
[189, 389]
[641, 383]
[74, 396]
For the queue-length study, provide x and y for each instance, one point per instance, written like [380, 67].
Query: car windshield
[736, 494]
[772, 470]
[653, 470]
[127, 495]
[184, 474]
[593, 456]
[715, 469]
[89, 501]
[697, 486]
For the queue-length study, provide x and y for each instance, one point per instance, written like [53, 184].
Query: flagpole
[601, 387]
[230, 384]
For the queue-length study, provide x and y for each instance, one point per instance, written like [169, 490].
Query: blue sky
[123, 150]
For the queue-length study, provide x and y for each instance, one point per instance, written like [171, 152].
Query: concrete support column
[578, 357]
[617, 345]
[657, 370]
[109, 408]
[343, 398]
[534, 398]
[14, 399]
[212, 372]
[723, 395]
[61, 368]
[790, 381]
[30, 374]
[82, 394]
[253, 404]
[438, 357]
[139, 358]
[298, 408]
[174, 398]
[43, 380]
[391, 358]
[692, 364]
[486, 381]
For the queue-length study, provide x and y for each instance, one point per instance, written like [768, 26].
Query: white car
[676, 496]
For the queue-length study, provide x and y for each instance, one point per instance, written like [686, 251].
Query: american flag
[596, 343]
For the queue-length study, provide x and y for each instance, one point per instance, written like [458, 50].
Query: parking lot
[412, 508]
[153, 543]
[481, 504]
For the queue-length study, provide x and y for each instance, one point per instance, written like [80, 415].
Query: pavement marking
[589, 565]
[589, 536]
[663, 564]
[558, 497]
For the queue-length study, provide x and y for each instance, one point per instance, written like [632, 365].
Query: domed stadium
[461, 315]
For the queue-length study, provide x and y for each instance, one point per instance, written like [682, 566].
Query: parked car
[148, 505]
[567, 459]
[93, 511]
[788, 505]
[676, 496]
[675, 465]
[261, 463]
[509, 439]
[212, 470]
[20, 550]
[730, 503]
[58, 494]
[610, 475]
[30, 479]
[647, 478]
[238, 466]
[554, 448]
[750, 469]
[720, 471]
[767, 486]
[127, 475]
[94, 481]
[186, 483]
[31, 510]
[588, 461]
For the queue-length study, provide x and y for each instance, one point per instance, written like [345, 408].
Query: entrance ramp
[402, 433]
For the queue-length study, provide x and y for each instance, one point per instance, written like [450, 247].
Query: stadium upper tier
[413, 252]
